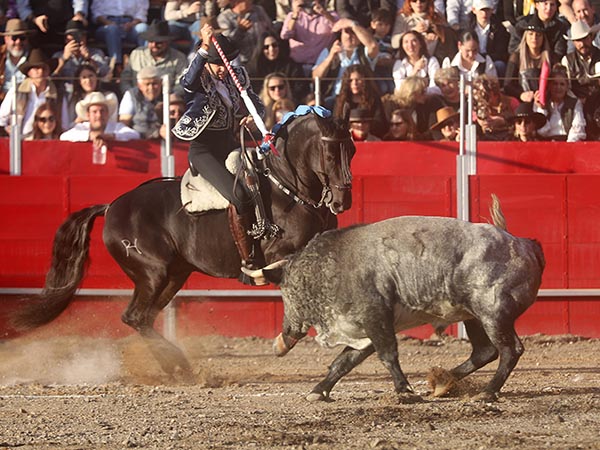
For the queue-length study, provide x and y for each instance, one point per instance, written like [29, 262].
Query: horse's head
[336, 152]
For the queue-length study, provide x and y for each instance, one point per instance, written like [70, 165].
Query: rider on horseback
[209, 123]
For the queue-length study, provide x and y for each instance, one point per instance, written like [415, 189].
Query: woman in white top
[564, 112]
[468, 59]
[415, 61]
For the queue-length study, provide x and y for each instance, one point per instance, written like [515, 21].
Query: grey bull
[360, 285]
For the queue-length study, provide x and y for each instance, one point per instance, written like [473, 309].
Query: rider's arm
[191, 78]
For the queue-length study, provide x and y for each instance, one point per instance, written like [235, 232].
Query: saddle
[198, 195]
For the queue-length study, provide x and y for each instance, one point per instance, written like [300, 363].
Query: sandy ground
[81, 393]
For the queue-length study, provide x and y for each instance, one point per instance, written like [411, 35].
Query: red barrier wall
[547, 190]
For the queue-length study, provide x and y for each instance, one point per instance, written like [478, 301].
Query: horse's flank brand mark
[127, 244]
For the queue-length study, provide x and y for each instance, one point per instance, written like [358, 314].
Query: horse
[158, 244]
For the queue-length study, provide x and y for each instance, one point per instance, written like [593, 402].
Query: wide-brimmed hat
[37, 58]
[229, 48]
[97, 98]
[444, 115]
[360, 115]
[158, 31]
[75, 27]
[579, 30]
[16, 27]
[526, 110]
[534, 23]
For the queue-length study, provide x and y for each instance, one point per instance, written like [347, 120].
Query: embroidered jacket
[206, 109]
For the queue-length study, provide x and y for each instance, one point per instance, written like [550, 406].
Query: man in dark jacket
[493, 36]
[362, 10]
[555, 27]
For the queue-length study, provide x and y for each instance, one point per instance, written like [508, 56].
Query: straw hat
[443, 115]
[97, 98]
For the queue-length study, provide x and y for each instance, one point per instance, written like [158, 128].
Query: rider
[213, 104]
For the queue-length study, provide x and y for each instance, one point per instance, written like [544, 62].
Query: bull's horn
[258, 275]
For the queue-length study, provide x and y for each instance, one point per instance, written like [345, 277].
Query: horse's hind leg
[147, 302]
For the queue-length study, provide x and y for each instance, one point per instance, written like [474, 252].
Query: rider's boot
[240, 225]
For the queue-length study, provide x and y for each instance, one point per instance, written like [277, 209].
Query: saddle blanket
[198, 195]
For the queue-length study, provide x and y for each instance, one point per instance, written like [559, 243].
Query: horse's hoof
[441, 381]
[485, 397]
[316, 397]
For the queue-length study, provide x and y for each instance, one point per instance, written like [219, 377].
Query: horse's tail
[497, 214]
[69, 256]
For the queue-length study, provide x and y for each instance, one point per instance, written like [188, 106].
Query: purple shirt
[310, 35]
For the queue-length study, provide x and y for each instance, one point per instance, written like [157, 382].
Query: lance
[266, 144]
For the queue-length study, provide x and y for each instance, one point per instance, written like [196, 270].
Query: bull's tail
[497, 214]
[69, 256]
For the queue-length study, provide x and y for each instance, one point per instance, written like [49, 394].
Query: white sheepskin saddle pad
[198, 195]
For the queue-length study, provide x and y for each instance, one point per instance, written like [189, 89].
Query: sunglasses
[46, 119]
[418, 1]
[279, 87]
[18, 38]
[266, 46]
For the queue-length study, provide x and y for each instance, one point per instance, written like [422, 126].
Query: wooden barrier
[547, 191]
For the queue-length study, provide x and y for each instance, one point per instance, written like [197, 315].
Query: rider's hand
[247, 121]
[207, 33]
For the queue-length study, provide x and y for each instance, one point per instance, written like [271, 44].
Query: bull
[360, 285]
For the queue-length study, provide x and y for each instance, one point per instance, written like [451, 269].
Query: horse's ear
[324, 124]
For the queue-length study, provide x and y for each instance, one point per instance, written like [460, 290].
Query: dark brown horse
[158, 244]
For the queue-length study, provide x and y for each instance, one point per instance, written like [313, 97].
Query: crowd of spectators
[390, 68]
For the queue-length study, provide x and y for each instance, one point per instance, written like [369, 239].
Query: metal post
[15, 135]
[168, 170]
[318, 91]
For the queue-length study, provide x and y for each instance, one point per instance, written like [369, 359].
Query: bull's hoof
[485, 397]
[441, 381]
[279, 346]
[408, 398]
[317, 397]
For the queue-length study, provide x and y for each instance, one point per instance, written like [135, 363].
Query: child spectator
[279, 109]
[447, 124]
[360, 126]
[526, 122]
[46, 124]
[381, 27]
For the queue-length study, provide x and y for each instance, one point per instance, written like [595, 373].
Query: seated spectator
[526, 122]
[468, 59]
[137, 108]
[76, 53]
[415, 61]
[493, 36]
[275, 87]
[279, 109]
[271, 56]
[46, 124]
[355, 46]
[362, 11]
[413, 96]
[423, 17]
[564, 112]
[554, 27]
[86, 81]
[359, 91]
[118, 22]
[525, 65]
[583, 63]
[243, 23]
[14, 53]
[584, 11]
[360, 126]
[458, 13]
[176, 110]
[447, 81]
[493, 109]
[49, 18]
[309, 31]
[35, 89]
[402, 126]
[94, 112]
[381, 27]
[157, 53]
[447, 123]
[185, 18]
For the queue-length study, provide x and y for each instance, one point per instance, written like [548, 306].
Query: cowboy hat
[442, 116]
[535, 24]
[360, 115]
[96, 98]
[158, 31]
[16, 27]
[229, 48]
[579, 30]
[525, 110]
[37, 58]
[75, 27]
